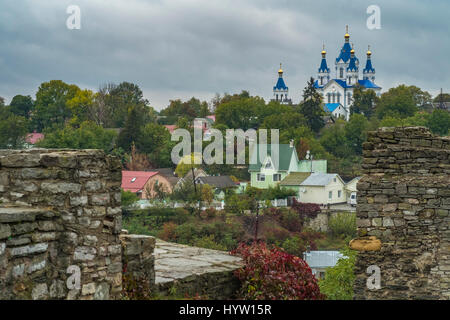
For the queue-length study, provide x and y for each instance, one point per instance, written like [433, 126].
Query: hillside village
[300, 201]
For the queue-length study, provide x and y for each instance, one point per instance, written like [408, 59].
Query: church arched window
[338, 97]
[341, 72]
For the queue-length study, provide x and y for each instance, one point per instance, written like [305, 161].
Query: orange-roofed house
[137, 182]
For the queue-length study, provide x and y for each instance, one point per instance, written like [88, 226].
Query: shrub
[270, 274]
[128, 198]
[276, 235]
[291, 221]
[338, 281]
[343, 224]
[168, 232]
[209, 242]
[294, 245]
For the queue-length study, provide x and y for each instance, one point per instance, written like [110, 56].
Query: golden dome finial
[353, 49]
[323, 49]
[347, 36]
[368, 50]
[280, 71]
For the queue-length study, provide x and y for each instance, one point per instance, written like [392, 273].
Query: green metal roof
[295, 178]
[285, 152]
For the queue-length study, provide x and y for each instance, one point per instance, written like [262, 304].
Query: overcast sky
[183, 48]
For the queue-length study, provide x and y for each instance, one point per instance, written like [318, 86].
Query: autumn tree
[137, 161]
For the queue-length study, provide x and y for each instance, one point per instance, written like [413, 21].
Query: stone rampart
[404, 203]
[60, 220]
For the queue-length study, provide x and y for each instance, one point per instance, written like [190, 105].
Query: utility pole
[256, 220]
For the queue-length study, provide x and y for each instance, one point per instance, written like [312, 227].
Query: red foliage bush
[272, 274]
[168, 232]
[306, 210]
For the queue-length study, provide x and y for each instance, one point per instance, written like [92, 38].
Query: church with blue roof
[280, 90]
[338, 92]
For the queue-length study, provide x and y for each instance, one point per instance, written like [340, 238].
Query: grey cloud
[177, 49]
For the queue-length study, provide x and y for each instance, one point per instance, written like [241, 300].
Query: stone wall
[60, 213]
[138, 258]
[404, 202]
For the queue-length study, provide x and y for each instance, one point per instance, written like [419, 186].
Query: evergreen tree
[311, 107]
[131, 131]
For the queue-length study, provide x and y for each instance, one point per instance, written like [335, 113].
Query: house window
[339, 193]
[330, 194]
[277, 177]
[261, 177]
[268, 165]
[133, 180]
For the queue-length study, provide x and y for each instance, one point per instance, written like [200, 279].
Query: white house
[337, 110]
[350, 190]
[322, 188]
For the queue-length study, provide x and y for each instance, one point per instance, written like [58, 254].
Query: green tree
[21, 105]
[364, 101]
[284, 121]
[240, 113]
[51, 104]
[13, 130]
[132, 130]
[311, 107]
[356, 132]
[124, 97]
[338, 281]
[155, 141]
[334, 140]
[398, 102]
[88, 136]
[439, 122]
[80, 105]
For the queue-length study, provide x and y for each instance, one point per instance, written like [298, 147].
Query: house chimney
[291, 143]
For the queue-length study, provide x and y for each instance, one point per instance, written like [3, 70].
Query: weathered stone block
[30, 249]
[5, 231]
[39, 292]
[100, 199]
[84, 253]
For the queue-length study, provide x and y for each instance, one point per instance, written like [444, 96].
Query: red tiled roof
[170, 127]
[212, 117]
[34, 137]
[135, 181]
